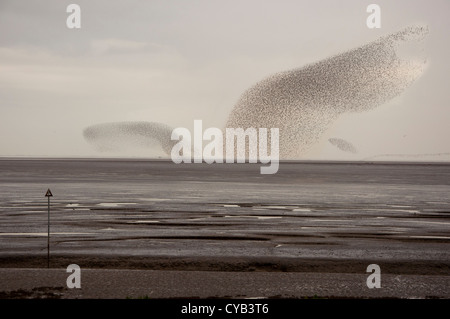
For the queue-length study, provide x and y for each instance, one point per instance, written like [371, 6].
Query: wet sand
[311, 220]
[155, 284]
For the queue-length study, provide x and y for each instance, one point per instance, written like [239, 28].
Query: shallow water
[157, 208]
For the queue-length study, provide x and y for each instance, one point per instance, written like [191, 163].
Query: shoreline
[230, 264]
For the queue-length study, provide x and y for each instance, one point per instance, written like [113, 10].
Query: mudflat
[311, 225]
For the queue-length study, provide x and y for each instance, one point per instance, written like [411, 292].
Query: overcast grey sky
[180, 60]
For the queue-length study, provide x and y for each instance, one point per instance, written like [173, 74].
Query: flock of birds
[302, 103]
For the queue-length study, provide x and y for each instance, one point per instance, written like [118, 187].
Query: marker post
[48, 195]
